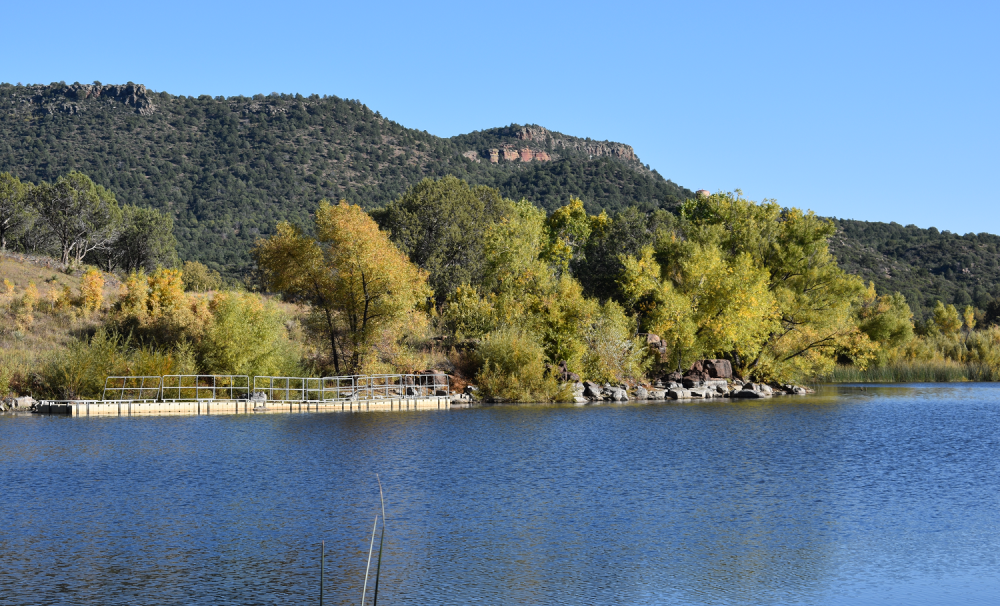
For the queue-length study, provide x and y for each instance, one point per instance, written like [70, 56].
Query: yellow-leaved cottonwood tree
[360, 286]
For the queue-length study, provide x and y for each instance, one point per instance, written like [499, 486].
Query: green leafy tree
[16, 212]
[145, 240]
[887, 322]
[199, 278]
[568, 229]
[81, 216]
[708, 306]
[814, 296]
[946, 319]
[440, 224]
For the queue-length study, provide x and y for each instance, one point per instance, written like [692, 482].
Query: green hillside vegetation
[226, 169]
[925, 265]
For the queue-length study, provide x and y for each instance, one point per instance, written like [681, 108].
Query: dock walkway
[240, 394]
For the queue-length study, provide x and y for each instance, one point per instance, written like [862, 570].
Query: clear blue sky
[868, 110]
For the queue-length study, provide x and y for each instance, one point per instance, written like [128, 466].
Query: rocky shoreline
[706, 379]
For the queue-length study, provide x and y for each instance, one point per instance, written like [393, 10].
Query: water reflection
[857, 494]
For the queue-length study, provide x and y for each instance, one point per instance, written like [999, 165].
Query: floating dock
[240, 394]
[112, 408]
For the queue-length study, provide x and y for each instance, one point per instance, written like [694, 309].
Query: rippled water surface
[885, 495]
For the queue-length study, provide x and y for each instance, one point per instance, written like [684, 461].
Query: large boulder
[678, 394]
[641, 393]
[618, 394]
[591, 390]
[657, 394]
[718, 369]
[24, 402]
[754, 390]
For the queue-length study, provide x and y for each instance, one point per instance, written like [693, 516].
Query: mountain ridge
[228, 168]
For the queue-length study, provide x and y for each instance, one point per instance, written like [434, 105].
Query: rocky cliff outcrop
[75, 98]
[534, 143]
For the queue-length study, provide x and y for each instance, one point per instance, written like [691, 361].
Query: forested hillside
[924, 264]
[227, 169]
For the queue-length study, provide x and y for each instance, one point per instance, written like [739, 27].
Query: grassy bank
[937, 371]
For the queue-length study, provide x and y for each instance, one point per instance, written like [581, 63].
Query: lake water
[889, 495]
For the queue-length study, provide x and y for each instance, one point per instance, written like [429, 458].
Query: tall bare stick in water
[378, 566]
[371, 548]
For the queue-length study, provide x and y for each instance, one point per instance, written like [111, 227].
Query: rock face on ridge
[533, 143]
[67, 98]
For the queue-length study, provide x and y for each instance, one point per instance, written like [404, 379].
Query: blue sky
[882, 111]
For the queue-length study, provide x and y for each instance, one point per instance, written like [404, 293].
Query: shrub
[612, 354]
[247, 336]
[200, 278]
[512, 369]
[92, 290]
[80, 371]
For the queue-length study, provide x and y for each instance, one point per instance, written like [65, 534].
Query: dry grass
[25, 348]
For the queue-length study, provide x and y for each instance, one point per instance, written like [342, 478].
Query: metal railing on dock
[132, 388]
[356, 387]
[178, 388]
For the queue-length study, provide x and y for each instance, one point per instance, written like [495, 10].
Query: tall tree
[81, 215]
[145, 240]
[15, 209]
[360, 285]
[440, 225]
[814, 296]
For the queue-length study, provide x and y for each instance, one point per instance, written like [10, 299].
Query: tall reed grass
[936, 371]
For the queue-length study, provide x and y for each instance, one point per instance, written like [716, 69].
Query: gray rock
[678, 394]
[641, 393]
[580, 400]
[619, 395]
[24, 402]
[699, 393]
[715, 383]
[657, 394]
[591, 390]
[691, 382]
